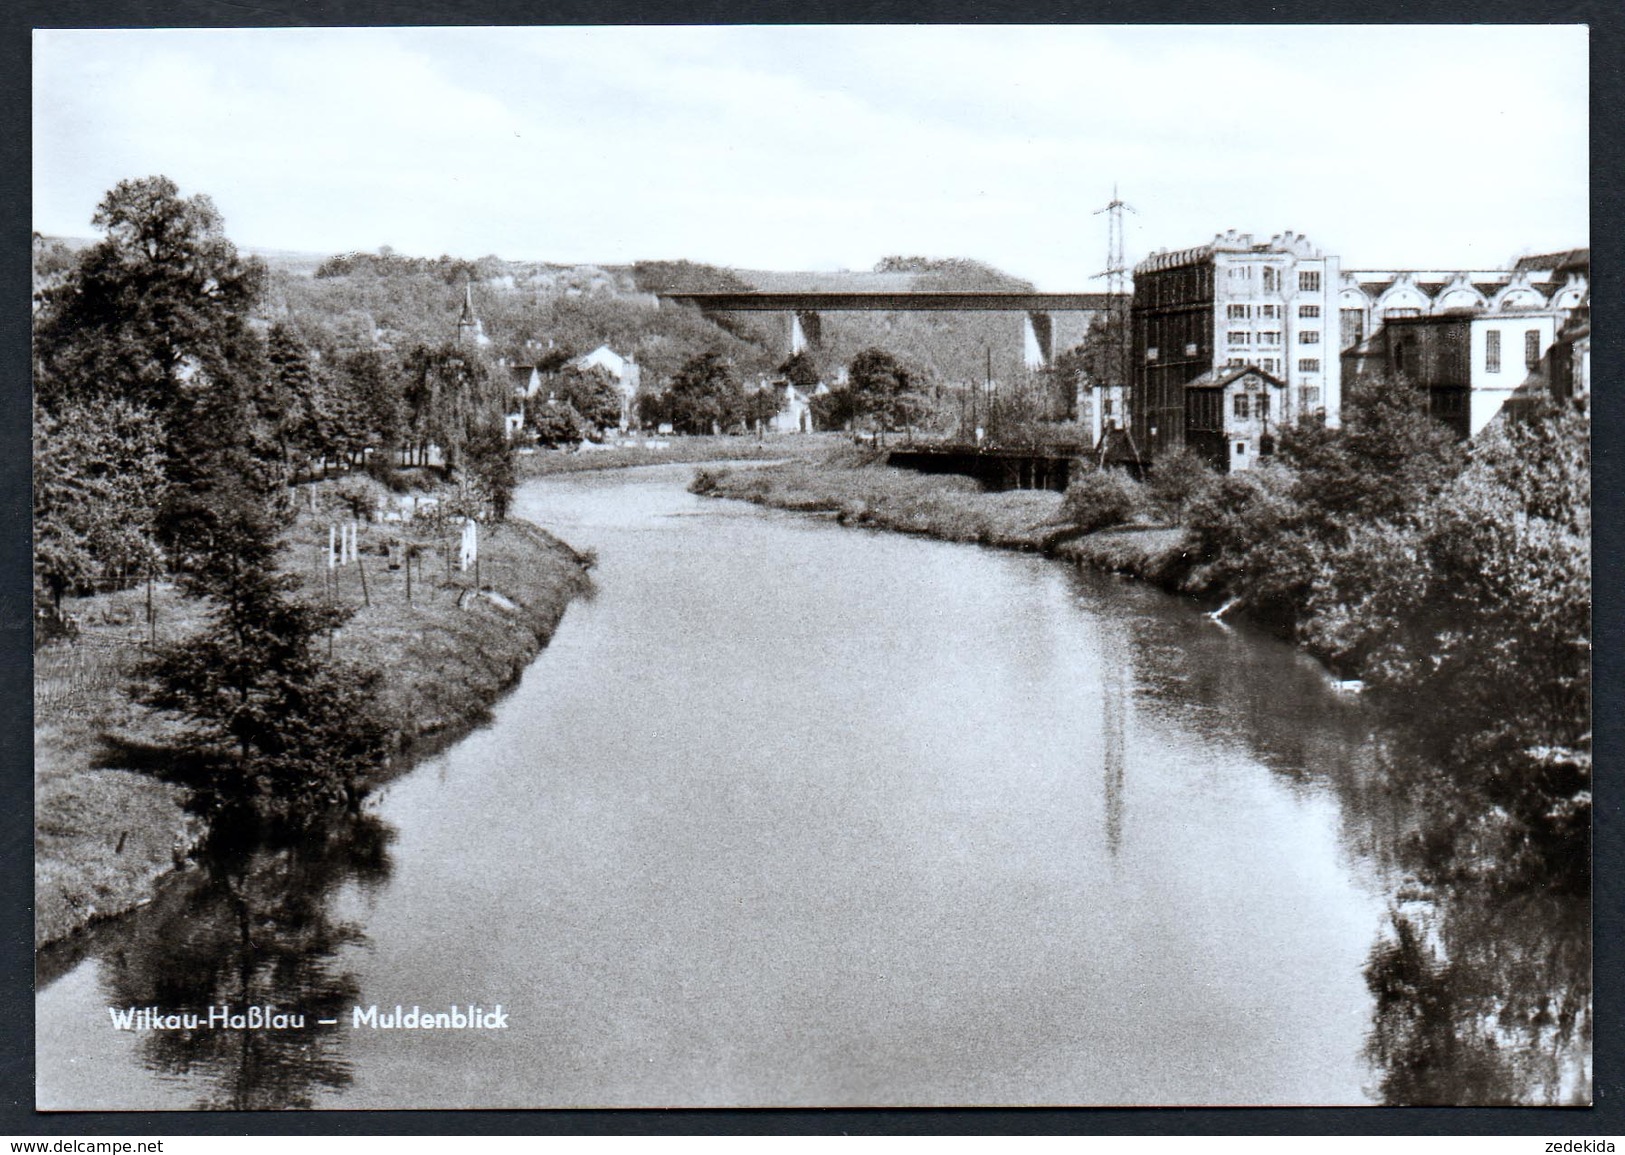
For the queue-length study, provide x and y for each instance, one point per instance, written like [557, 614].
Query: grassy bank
[859, 490]
[109, 826]
[678, 451]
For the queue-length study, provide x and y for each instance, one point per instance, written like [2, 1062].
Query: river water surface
[791, 814]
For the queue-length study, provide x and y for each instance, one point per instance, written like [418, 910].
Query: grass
[947, 507]
[109, 826]
[679, 450]
[858, 490]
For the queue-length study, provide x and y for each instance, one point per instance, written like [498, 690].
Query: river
[795, 814]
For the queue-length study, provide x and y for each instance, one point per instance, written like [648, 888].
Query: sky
[833, 147]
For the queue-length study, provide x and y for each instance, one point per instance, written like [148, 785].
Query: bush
[1100, 499]
[1177, 479]
[382, 469]
[356, 495]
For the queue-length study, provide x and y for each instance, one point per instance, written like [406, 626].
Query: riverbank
[859, 490]
[109, 827]
[678, 450]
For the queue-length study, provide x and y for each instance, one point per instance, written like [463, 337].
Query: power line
[1116, 274]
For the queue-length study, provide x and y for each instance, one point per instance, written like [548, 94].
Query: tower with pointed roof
[469, 330]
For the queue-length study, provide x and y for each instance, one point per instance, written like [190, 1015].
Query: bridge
[805, 310]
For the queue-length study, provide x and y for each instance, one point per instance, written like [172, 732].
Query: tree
[1104, 353]
[593, 394]
[556, 423]
[1177, 479]
[364, 377]
[833, 410]
[279, 730]
[300, 409]
[705, 395]
[99, 486]
[1385, 461]
[155, 316]
[801, 370]
[490, 463]
[162, 292]
[762, 406]
[883, 390]
[449, 391]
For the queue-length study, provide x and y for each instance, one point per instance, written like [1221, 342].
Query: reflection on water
[855, 818]
[1481, 972]
[1482, 976]
[254, 930]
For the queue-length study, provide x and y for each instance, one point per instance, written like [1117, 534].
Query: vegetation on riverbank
[114, 795]
[678, 451]
[858, 489]
[1453, 581]
[176, 442]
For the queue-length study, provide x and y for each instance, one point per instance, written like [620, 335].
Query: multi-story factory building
[1201, 315]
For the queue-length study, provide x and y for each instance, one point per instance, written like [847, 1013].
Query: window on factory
[1241, 449]
[1308, 336]
[1237, 312]
[1353, 325]
[1243, 406]
[1308, 310]
[1272, 280]
[1269, 337]
[1235, 363]
[1492, 351]
[1308, 282]
[1308, 364]
[1269, 312]
[1239, 337]
[1151, 353]
[1309, 396]
[1271, 365]
[1106, 407]
[1531, 348]
[1241, 272]
[1192, 349]
[1264, 405]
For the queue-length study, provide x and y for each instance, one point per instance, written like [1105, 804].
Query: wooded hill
[345, 302]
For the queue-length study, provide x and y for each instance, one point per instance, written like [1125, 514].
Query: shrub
[356, 495]
[1177, 479]
[1100, 499]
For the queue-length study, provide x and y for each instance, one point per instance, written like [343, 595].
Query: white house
[624, 371]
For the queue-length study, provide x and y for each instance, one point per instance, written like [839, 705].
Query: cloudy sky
[830, 147]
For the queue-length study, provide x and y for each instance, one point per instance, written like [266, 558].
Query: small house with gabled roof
[1231, 415]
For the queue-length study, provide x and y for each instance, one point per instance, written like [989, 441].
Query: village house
[623, 370]
[1231, 415]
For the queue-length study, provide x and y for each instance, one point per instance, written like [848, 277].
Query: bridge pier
[1038, 340]
[806, 330]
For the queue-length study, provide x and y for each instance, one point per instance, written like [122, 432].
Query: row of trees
[169, 428]
[1454, 580]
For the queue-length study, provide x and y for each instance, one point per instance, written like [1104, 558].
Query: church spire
[469, 329]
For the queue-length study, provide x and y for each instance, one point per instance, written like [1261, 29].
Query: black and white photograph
[811, 566]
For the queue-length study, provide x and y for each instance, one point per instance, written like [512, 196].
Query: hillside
[350, 300]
